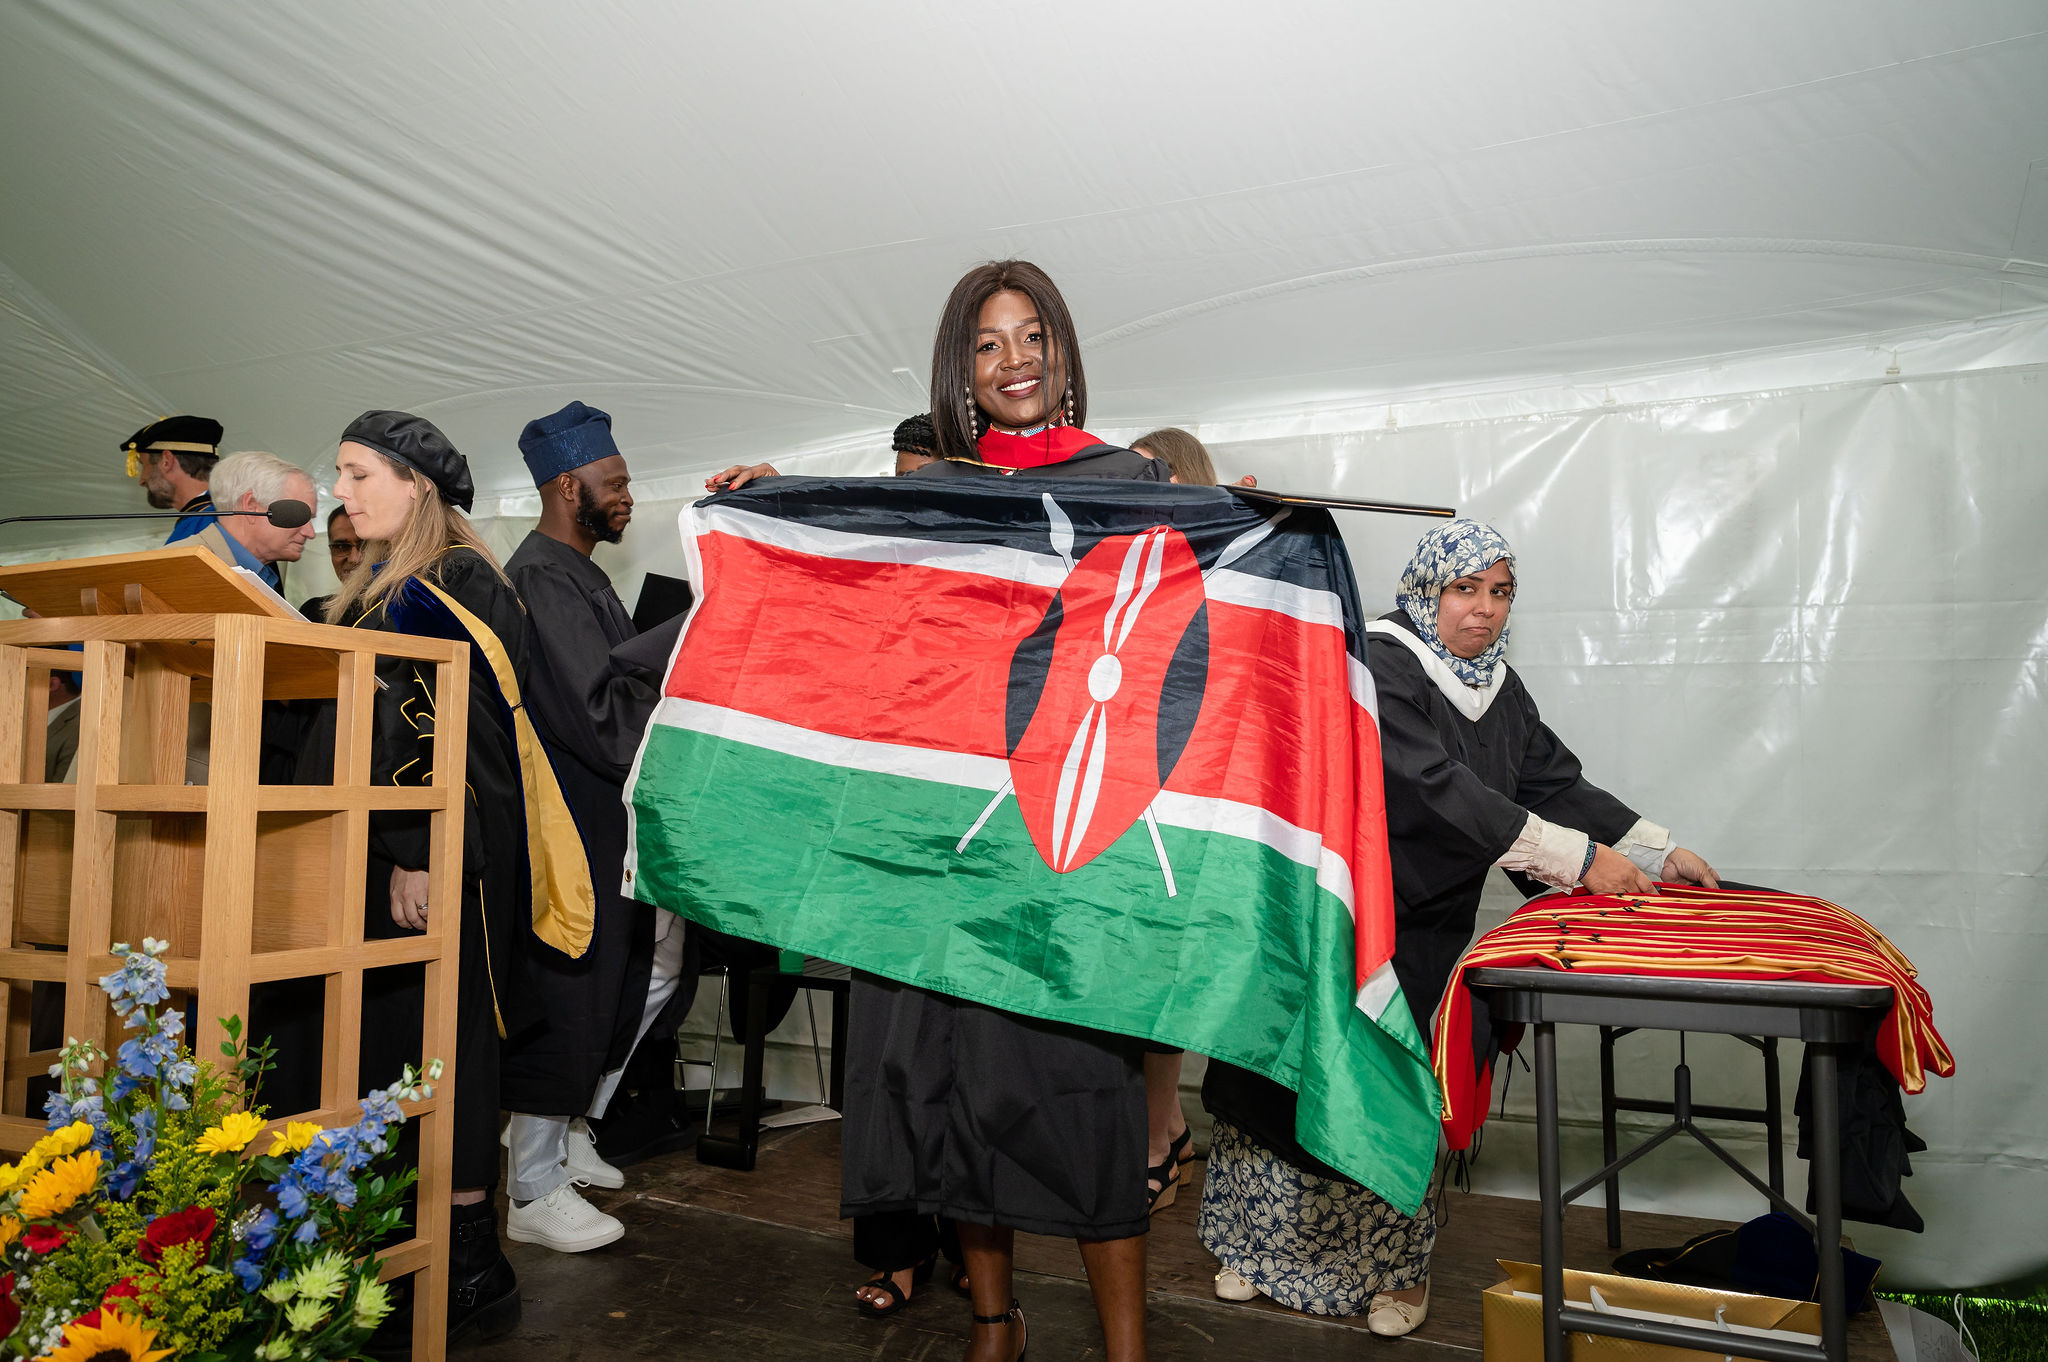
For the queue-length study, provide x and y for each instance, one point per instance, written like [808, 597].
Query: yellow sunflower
[57, 1188]
[117, 1339]
[234, 1132]
[10, 1230]
[294, 1137]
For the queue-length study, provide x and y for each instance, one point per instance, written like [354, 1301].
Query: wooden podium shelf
[163, 828]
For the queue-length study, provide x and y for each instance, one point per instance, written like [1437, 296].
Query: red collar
[1054, 444]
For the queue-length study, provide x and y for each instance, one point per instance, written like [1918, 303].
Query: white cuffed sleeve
[1647, 845]
[1550, 852]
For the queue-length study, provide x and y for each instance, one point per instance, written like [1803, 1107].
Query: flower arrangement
[147, 1224]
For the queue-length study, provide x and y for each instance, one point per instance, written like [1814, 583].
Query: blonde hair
[431, 528]
[1183, 453]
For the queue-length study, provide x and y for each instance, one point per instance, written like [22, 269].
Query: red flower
[194, 1226]
[44, 1238]
[125, 1288]
[10, 1312]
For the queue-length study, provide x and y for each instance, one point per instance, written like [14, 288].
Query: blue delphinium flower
[262, 1230]
[137, 1058]
[127, 1175]
[291, 1198]
[140, 982]
[308, 1232]
[249, 1273]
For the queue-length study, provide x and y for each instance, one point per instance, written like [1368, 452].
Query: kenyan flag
[1094, 751]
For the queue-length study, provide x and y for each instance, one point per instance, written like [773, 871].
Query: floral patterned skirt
[1314, 1244]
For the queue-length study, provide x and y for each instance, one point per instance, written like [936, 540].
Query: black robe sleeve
[590, 711]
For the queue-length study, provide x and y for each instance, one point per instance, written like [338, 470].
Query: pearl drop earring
[1070, 401]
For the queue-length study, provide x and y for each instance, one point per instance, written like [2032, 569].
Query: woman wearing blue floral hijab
[1474, 779]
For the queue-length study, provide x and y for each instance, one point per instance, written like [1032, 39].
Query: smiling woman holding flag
[1474, 779]
[996, 1121]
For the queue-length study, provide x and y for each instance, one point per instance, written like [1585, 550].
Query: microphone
[284, 513]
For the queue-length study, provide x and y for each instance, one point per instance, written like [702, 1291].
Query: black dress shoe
[483, 1291]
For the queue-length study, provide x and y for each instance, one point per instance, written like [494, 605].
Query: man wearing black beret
[174, 458]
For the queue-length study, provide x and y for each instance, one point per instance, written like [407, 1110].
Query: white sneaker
[563, 1221]
[585, 1165]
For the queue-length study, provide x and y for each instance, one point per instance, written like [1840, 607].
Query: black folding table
[1827, 1017]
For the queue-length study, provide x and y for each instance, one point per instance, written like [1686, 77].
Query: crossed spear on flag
[1087, 753]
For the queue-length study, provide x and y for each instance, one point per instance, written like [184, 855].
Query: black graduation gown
[496, 997]
[590, 715]
[1459, 792]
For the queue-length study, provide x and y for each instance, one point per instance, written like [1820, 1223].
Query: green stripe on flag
[1251, 962]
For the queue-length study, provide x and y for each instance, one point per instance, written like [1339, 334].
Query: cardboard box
[1511, 1316]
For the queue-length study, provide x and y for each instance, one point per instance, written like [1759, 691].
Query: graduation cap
[173, 435]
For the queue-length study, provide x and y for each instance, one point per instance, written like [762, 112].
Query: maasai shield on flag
[1093, 751]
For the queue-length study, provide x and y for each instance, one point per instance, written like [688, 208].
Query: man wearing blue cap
[590, 715]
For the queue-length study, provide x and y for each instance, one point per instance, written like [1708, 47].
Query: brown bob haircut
[953, 409]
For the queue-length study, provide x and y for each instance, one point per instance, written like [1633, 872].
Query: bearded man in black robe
[590, 715]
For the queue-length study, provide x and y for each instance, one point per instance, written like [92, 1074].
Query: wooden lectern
[248, 882]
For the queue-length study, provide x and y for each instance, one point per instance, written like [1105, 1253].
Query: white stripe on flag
[1193, 813]
[988, 560]
[1378, 990]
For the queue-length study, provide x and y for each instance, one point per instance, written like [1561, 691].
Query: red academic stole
[1054, 444]
[1699, 933]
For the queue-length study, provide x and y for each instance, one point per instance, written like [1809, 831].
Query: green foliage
[181, 1175]
[198, 1305]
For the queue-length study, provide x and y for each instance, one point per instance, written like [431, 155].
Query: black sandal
[1016, 1312]
[885, 1282]
[961, 1282]
[1167, 1173]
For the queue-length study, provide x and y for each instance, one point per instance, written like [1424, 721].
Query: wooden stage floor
[753, 1267]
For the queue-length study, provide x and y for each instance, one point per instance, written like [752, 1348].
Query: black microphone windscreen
[288, 514]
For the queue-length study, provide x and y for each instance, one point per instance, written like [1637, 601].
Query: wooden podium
[248, 882]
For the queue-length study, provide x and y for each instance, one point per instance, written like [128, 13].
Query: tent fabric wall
[1806, 630]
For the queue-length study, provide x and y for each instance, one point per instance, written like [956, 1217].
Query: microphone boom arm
[285, 513]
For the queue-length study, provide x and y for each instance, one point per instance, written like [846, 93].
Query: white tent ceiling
[732, 226]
